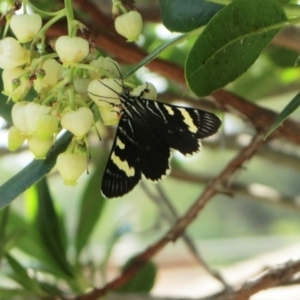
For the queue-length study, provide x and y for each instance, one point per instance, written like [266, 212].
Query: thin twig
[172, 216]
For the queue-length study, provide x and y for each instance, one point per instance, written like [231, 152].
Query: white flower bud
[78, 122]
[46, 126]
[104, 92]
[71, 166]
[109, 116]
[71, 50]
[147, 90]
[8, 75]
[38, 147]
[107, 64]
[12, 54]
[53, 71]
[129, 25]
[25, 27]
[15, 138]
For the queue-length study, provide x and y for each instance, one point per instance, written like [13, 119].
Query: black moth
[147, 133]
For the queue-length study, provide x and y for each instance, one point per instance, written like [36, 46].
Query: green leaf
[7, 293]
[290, 108]
[50, 228]
[21, 276]
[25, 236]
[143, 281]
[231, 42]
[91, 206]
[32, 173]
[191, 15]
[283, 57]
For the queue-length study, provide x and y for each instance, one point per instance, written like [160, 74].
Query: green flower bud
[15, 138]
[25, 27]
[71, 50]
[104, 92]
[12, 54]
[129, 25]
[71, 166]
[38, 147]
[78, 122]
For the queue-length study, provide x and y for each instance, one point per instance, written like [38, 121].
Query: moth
[147, 134]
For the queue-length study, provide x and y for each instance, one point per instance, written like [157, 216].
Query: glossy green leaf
[231, 42]
[290, 108]
[32, 173]
[191, 15]
[143, 281]
[50, 228]
[91, 206]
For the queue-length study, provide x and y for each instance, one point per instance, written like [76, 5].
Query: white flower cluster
[68, 83]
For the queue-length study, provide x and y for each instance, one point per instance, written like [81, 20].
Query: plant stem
[70, 16]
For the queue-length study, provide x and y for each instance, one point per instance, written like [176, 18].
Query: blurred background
[257, 223]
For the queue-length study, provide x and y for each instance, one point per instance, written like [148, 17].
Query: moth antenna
[124, 87]
[109, 88]
[119, 71]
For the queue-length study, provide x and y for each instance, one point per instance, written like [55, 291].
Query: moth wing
[181, 128]
[154, 152]
[122, 172]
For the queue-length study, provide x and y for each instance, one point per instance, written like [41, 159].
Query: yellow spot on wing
[120, 144]
[122, 165]
[188, 120]
[169, 110]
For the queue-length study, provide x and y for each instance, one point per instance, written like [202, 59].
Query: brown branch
[261, 193]
[272, 277]
[261, 118]
[182, 223]
[268, 279]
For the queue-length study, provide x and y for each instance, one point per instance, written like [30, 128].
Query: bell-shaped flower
[38, 147]
[12, 54]
[26, 26]
[129, 25]
[109, 116]
[25, 116]
[71, 166]
[78, 121]
[46, 126]
[53, 73]
[105, 92]
[15, 138]
[71, 50]
[107, 64]
[16, 93]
